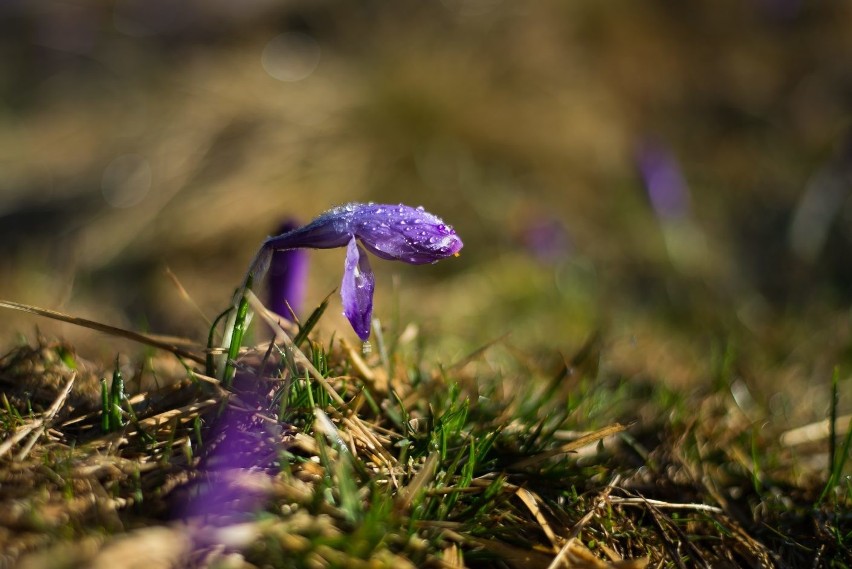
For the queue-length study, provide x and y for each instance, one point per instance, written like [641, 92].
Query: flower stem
[237, 334]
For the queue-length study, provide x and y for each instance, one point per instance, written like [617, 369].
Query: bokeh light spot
[291, 56]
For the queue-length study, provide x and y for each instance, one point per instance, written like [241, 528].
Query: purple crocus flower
[667, 189]
[288, 274]
[394, 232]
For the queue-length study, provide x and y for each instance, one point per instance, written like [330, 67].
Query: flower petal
[403, 233]
[329, 230]
[394, 232]
[287, 277]
[356, 290]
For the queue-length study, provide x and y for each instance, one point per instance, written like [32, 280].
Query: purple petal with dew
[287, 277]
[403, 233]
[356, 290]
[329, 230]
[394, 232]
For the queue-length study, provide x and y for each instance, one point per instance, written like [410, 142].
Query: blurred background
[675, 176]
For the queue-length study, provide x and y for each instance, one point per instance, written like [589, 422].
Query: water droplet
[402, 222]
[432, 240]
[420, 208]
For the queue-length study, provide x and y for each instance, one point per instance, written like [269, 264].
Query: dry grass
[394, 464]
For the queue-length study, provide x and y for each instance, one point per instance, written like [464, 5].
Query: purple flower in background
[288, 274]
[546, 237]
[394, 232]
[664, 182]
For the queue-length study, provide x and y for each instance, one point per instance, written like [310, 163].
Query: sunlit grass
[500, 459]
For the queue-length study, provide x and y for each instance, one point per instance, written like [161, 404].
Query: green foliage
[306, 328]
[112, 401]
[837, 458]
[210, 359]
[240, 324]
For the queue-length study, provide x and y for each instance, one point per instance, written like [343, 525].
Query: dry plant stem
[674, 548]
[105, 328]
[358, 363]
[163, 418]
[38, 426]
[585, 440]
[531, 501]
[666, 505]
[371, 441]
[562, 557]
[814, 432]
[406, 496]
[281, 335]
[186, 297]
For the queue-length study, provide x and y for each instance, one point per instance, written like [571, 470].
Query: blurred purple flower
[394, 232]
[288, 274]
[547, 239]
[664, 182]
[239, 459]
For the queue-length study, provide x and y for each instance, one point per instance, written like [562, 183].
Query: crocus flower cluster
[236, 466]
[394, 232]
